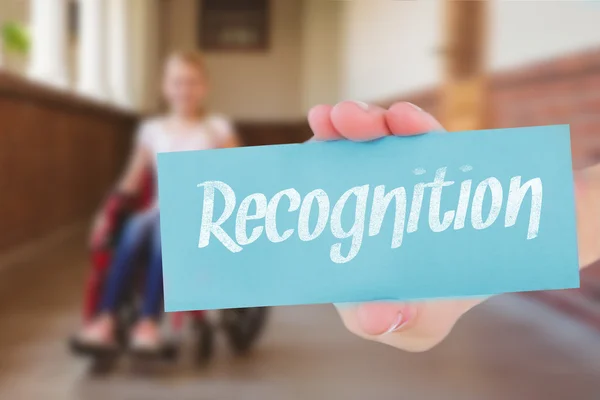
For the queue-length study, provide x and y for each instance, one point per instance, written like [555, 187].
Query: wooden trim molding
[21, 89]
[254, 133]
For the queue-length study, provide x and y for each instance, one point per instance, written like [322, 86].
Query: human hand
[98, 231]
[117, 206]
[414, 326]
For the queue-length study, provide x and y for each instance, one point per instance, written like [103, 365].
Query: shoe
[96, 337]
[146, 338]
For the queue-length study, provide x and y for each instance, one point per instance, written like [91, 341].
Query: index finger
[406, 119]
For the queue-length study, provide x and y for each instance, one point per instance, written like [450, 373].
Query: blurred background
[77, 76]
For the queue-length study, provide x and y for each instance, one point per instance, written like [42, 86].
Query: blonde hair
[191, 58]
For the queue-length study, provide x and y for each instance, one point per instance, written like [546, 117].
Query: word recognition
[400, 218]
[406, 216]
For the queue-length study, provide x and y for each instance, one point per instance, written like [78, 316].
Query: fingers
[319, 119]
[406, 119]
[411, 327]
[359, 121]
[381, 318]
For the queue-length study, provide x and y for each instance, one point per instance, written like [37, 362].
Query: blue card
[401, 218]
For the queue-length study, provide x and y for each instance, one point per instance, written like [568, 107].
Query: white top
[211, 133]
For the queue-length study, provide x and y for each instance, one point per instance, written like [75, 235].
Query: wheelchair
[242, 327]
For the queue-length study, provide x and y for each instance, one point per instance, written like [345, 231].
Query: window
[234, 25]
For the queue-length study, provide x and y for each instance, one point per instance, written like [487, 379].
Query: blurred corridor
[510, 348]
[78, 76]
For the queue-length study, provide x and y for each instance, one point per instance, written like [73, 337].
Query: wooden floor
[510, 348]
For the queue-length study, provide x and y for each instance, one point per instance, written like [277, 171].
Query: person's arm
[225, 132]
[131, 179]
[127, 187]
[231, 142]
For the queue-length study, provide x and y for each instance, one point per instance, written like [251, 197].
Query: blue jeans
[140, 228]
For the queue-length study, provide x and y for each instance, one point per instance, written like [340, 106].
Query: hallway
[510, 348]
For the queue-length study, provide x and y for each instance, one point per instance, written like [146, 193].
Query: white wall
[524, 32]
[146, 61]
[324, 51]
[251, 86]
[321, 57]
[390, 47]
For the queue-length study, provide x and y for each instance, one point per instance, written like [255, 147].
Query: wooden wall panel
[59, 155]
[266, 133]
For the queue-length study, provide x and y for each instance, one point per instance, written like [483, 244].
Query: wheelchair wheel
[103, 365]
[206, 341]
[104, 361]
[243, 326]
[126, 317]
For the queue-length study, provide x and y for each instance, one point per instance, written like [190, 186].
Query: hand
[409, 326]
[98, 232]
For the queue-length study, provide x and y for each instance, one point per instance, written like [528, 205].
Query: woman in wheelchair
[185, 127]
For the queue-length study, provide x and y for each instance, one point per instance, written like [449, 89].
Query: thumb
[412, 327]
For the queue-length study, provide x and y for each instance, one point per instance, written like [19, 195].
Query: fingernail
[361, 104]
[400, 322]
[436, 126]
[416, 107]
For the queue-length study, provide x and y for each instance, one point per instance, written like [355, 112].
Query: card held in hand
[441, 215]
